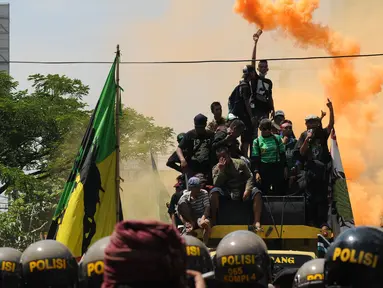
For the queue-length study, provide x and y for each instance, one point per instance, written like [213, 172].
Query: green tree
[140, 135]
[40, 133]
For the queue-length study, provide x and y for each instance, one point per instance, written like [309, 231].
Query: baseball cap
[279, 113]
[194, 182]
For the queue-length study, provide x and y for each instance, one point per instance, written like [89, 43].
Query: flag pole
[118, 106]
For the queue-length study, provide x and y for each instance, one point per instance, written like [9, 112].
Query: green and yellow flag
[86, 211]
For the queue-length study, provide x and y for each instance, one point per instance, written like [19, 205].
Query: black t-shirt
[173, 206]
[261, 99]
[197, 148]
[318, 147]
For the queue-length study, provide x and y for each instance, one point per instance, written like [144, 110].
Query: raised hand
[257, 35]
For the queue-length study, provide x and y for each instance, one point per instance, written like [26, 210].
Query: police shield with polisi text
[10, 275]
[91, 267]
[242, 260]
[48, 263]
[354, 259]
[311, 274]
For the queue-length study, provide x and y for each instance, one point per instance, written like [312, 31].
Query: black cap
[48, 263]
[180, 137]
[200, 120]
[242, 258]
[10, 275]
[355, 259]
[91, 267]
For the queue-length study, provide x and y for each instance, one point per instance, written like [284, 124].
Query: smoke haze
[191, 30]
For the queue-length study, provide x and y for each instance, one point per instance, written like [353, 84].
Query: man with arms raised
[261, 101]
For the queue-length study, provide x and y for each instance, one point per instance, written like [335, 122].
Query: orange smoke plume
[295, 20]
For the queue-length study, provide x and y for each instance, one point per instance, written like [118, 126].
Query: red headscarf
[140, 252]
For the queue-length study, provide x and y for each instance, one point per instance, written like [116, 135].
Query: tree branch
[41, 227]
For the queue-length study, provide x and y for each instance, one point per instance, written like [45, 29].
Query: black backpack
[236, 103]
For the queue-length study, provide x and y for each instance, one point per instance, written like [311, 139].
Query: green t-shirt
[267, 147]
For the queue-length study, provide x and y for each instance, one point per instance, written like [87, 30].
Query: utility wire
[191, 61]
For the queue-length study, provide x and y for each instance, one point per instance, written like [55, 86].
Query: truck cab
[283, 221]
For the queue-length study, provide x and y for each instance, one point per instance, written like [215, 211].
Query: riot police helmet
[242, 259]
[198, 256]
[48, 263]
[10, 272]
[355, 259]
[91, 267]
[310, 275]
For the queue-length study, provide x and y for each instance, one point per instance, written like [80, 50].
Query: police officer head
[310, 274]
[91, 268]
[242, 260]
[10, 272]
[355, 259]
[48, 263]
[198, 257]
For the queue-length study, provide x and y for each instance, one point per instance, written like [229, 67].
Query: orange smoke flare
[295, 19]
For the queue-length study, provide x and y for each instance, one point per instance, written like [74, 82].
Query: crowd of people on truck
[152, 254]
[268, 160]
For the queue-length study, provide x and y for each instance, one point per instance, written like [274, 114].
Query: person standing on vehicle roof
[194, 151]
[276, 122]
[216, 109]
[279, 117]
[244, 98]
[261, 100]
[312, 151]
[239, 106]
[289, 140]
[269, 160]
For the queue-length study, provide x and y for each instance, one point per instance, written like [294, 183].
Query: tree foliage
[139, 135]
[40, 134]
